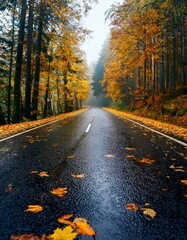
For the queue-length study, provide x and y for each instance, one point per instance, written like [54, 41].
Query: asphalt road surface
[108, 150]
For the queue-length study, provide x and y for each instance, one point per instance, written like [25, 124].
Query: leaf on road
[78, 175]
[177, 168]
[173, 159]
[109, 156]
[60, 192]
[34, 208]
[64, 220]
[83, 228]
[147, 161]
[132, 207]
[130, 156]
[43, 174]
[148, 212]
[28, 237]
[130, 149]
[65, 234]
[182, 154]
[184, 181]
[10, 188]
[34, 172]
[71, 156]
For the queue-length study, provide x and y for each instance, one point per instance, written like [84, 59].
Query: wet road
[108, 153]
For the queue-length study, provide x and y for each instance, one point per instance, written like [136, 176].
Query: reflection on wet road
[115, 158]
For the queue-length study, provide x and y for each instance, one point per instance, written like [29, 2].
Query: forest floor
[164, 114]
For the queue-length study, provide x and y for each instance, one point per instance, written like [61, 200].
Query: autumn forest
[43, 71]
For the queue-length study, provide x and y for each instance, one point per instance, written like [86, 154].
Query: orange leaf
[78, 175]
[64, 220]
[34, 208]
[132, 207]
[147, 161]
[60, 192]
[72, 156]
[184, 181]
[43, 174]
[83, 228]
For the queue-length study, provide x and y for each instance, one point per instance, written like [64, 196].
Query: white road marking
[88, 128]
[29, 130]
[150, 129]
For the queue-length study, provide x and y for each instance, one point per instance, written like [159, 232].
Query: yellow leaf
[43, 174]
[65, 234]
[34, 208]
[83, 228]
[149, 212]
[78, 175]
[60, 192]
[132, 206]
[184, 181]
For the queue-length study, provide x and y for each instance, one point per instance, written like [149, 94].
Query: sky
[95, 22]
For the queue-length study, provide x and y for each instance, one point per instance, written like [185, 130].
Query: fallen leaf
[28, 237]
[43, 174]
[184, 181]
[149, 212]
[78, 175]
[179, 170]
[109, 156]
[185, 195]
[65, 234]
[64, 220]
[164, 189]
[147, 161]
[130, 149]
[34, 172]
[83, 228]
[174, 167]
[182, 154]
[173, 159]
[132, 207]
[147, 204]
[71, 156]
[34, 208]
[10, 188]
[130, 156]
[60, 192]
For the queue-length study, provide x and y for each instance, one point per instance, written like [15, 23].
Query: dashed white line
[88, 128]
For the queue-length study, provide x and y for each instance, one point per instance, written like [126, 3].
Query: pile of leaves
[10, 129]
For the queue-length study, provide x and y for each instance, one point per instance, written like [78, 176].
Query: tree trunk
[37, 67]
[17, 79]
[11, 63]
[46, 93]
[29, 62]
